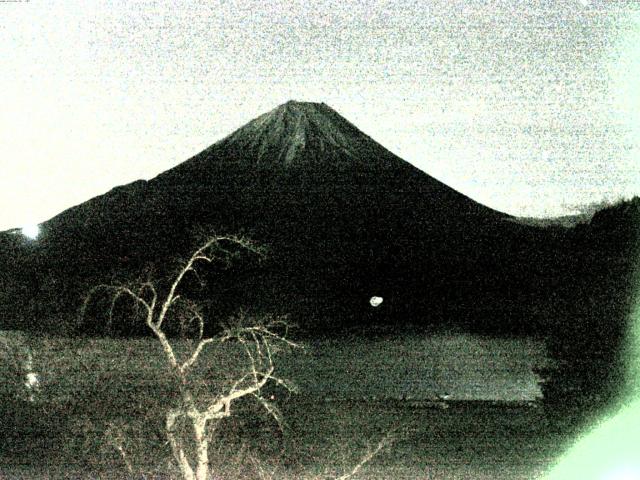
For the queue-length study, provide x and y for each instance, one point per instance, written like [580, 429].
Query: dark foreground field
[323, 440]
[104, 398]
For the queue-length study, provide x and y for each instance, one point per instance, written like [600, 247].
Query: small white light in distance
[376, 301]
[31, 231]
[32, 380]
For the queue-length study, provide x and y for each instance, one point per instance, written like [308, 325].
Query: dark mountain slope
[343, 217]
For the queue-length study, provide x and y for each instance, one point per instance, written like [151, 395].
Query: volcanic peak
[301, 132]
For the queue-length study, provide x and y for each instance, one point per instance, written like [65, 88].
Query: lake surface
[421, 367]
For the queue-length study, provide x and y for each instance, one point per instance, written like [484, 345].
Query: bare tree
[259, 340]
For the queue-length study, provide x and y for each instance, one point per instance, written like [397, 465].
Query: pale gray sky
[531, 107]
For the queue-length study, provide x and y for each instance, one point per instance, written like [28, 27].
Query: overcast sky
[530, 107]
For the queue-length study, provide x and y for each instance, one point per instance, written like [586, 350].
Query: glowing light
[609, 452]
[376, 301]
[31, 231]
[32, 380]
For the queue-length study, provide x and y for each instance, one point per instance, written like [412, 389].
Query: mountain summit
[299, 132]
[306, 148]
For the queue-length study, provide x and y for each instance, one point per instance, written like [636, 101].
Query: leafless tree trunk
[258, 340]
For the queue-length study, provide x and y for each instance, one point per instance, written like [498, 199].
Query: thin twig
[386, 440]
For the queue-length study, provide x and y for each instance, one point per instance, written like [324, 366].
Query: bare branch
[259, 341]
[268, 333]
[154, 294]
[176, 448]
[238, 382]
[199, 255]
[164, 342]
[127, 291]
[194, 356]
[197, 275]
[386, 440]
[286, 384]
[117, 291]
[272, 410]
[252, 361]
[115, 436]
[192, 313]
[222, 407]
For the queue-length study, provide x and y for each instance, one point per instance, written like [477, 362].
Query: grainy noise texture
[319, 240]
[528, 107]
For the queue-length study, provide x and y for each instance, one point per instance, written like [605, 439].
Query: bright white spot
[32, 383]
[375, 301]
[31, 231]
[32, 380]
[585, 3]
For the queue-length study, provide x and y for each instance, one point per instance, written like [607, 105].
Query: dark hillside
[344, 219]
[593, 304]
